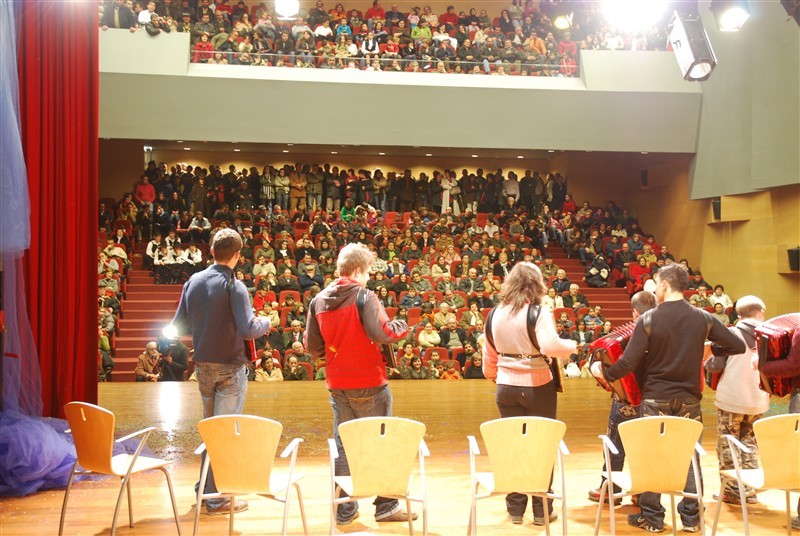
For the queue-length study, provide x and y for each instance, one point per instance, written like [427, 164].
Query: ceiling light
[286, 150]
[730, 14]
[645, 152]
[180, 141]
[520, 156]
[634, 15]
[382, 154]
[550, 151]
[334, 152]
[563, 22]
[187, 148]
[237, 150]
[148, 149]
[474, 156]
[287, 9]
[428, 154]
[289, 144]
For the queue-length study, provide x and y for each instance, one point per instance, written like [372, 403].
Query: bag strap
[533, 316]
[361, 303]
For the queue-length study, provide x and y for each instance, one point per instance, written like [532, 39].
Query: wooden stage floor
[451, 411]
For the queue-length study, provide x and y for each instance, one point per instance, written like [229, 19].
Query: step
[140, 277]
[152, 287]
[154, 316]
[151, 325]
[138, 304]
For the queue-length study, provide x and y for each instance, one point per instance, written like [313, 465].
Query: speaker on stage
[644, 178]
[794, 259]
[716, 206]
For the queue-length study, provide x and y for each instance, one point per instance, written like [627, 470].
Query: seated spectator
[148, 366]
[583, 337]
[701, 298]
[293, 335]
[720, 297]
[310, 279]
[440, 317]
[474, 368]
[450, 372]
[598, 272]
[719, 313]
[575, 299]
[429, 337]
[298, 351]
[553, 300]
[592, 319]
[293, 372]
[415, 370]
[385, 298]
[561, 284]
[267, 371]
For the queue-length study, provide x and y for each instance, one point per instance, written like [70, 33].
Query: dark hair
[676, 276]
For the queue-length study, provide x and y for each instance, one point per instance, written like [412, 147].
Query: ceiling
[360, 150]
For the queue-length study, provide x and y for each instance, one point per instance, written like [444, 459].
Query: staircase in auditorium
[149, 307]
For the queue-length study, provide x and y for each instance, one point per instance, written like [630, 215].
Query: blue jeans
[223, 388]
[350, 404]
[650, 503]
[620, 413]
[282, 199]
[514, 401]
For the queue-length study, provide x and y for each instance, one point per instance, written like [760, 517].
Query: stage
[451, 411]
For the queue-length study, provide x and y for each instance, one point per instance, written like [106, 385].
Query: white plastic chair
[380, 452]
[92, 429]
[778, 440]
[523, 452]
[241, 451]
[658, 453]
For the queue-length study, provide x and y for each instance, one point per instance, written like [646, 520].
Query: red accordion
[608, 350]
[774, 338]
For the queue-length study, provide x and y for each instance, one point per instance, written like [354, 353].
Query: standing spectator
[117, 15]
[144, 193]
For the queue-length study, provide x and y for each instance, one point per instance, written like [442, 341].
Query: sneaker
[594, 496]
[729, 498]
[398, 516]
[539, 521]
[691, 528]
[225, 507]
[638, 520]
[346, 521]
[796, 523]
[516, 520]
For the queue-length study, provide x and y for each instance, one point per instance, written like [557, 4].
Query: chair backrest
[370, 443]
[241, 449]
[778, 441]
[93, 433]
[649, 442]
[522, 451]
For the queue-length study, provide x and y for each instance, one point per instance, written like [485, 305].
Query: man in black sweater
[667, 347]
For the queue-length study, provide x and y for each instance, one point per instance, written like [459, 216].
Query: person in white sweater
[740, 402]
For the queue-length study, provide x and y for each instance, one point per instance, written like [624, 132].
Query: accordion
[774, 339]
[608, 350]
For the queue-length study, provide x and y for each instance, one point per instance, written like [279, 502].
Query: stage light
[634, 15]
[287, 9]
[730, 14]
[170, 332]
[563, 22]
[690, 44]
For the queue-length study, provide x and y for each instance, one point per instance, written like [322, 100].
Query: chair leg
[424, 513]
[472, 529]
[130, 504]
[564, 512]
[743, 502]
[410, 521]
[231, 511]
[600, 508]
[302, 507]
[334, 496]
[286, 509]
[119, 503]
[66, 498]
[788, 515]
[197, 509]
[672, 512]
[172, 498]
[546, 515]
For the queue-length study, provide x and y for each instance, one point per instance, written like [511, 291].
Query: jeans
[223, 388]
[794, 407]
[314, 201]
[282, 199]
[620, 413]
[513, 401]
[350, 404]
[650, 503]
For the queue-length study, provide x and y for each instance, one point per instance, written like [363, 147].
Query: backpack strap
[361, 302]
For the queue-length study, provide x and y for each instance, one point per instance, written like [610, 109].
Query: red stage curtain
[58, 77]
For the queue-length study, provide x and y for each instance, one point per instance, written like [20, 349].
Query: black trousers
[515, 401]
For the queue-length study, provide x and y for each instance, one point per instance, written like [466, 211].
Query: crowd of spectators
[520, 39]
[443, 245]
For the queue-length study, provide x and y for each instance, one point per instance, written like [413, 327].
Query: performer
[740, 402]
[620, 411]
[788, 368]
[215, 308]
[345, 338]
[525, 385]
[671, 374]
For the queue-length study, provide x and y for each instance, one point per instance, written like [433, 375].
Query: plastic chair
[522, 452]
[229, 442]
[367, 442]
[92, 430]
[778, 441]
[648, 442]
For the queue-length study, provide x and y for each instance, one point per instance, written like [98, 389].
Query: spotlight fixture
[286, 150]
[382, 154]
[634, 15]
[563, 22]
[428, 154]
[730, 14]
[690, 44]
[287, 9]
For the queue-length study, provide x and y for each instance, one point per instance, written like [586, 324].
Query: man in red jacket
[355, 371]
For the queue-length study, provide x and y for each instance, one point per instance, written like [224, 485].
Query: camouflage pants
[739, 426]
